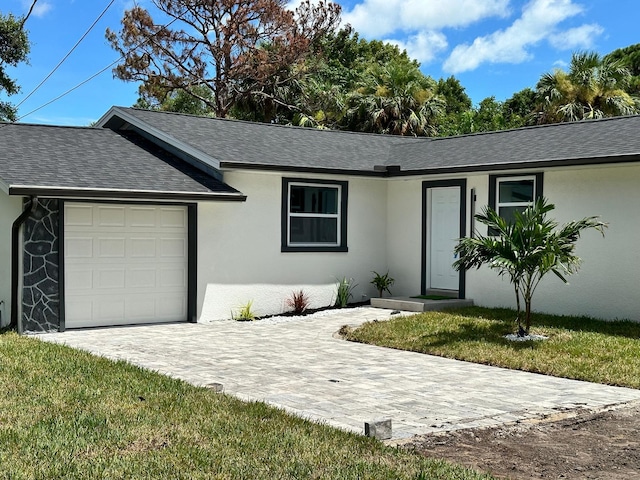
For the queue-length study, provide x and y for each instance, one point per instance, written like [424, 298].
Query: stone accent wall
[41, 292]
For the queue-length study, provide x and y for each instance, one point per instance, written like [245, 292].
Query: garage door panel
[78, 215]
[143, 217]
[142, 247]
[173, 247]
[110, 216]
[173, 218]
[125, 264]
[78, 247]
[141, 278]
[173, 277]
[79, 279]
[110, 278]
[111, 247]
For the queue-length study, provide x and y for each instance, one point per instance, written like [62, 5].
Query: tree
[629, 57]
[594, 87]
[519, 110]
[340, 64]
[236, 49]
[397, 99]
[14, 48]
[525, 250]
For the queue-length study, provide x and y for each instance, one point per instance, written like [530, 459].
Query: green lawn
[578, 347]
[67, 414]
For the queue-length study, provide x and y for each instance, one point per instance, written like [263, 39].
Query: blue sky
[495, 47]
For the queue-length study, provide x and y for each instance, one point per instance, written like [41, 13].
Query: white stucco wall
[10, 209]
[606, 286]
[239, 257]
[404, 234]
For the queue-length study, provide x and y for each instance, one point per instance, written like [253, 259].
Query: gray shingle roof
[96, 159]
[236, 143]
[577, 142]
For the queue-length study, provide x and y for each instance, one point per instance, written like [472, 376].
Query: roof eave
[159, 134]
[74, 192]
[484, 167]
[289, 168]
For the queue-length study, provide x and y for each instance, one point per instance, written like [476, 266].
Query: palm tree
[395, 98]
[525, 250]
[594, 87]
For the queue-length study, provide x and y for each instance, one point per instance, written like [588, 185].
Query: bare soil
[575, 445]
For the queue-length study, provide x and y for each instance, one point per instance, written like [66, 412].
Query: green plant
[525, 250]
[582, 348]
[298, 301]
[382, 282]
[244, 313]
[135, 423]
[344, 291]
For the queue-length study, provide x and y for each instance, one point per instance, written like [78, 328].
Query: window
[510, 194]
[314, 215]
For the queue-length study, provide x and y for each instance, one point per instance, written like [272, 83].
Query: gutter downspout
[15, 260]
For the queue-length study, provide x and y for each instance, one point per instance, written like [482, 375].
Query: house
[156, 217]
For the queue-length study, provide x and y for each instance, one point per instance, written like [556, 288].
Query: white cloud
[423, 46]
[539, 21]
[575, 38]
[40, 9]
[380, 18]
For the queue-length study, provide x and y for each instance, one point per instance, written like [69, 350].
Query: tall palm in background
[594, 87]
[397, 99]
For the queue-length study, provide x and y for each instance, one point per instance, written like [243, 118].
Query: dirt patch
[582, 445]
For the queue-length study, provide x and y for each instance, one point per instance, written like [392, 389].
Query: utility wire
[179, 17]
[67, 55]
[24, 20]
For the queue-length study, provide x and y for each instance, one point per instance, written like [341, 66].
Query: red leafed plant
[298, 301]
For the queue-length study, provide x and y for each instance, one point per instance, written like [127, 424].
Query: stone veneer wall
[41, 291]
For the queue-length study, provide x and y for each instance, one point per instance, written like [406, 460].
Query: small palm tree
[525, 250]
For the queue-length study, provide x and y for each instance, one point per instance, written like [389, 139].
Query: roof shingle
[97, 159]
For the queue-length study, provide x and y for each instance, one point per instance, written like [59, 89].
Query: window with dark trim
[514, 193]
[314, 215]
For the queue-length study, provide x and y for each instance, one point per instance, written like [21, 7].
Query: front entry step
[418, 304]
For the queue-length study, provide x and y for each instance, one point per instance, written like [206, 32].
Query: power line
[24, 20]
[67, 55]
[179, 17]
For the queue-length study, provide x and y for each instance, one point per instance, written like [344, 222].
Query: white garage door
[124, 264]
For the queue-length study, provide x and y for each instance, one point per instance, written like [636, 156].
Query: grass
[578, 347]
[67, 414]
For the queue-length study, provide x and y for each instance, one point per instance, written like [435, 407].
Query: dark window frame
[493, 187]
[342, 215]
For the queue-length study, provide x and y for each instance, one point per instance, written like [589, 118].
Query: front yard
[68, 414]
[578, 347]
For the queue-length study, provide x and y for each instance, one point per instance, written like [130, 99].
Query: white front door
[443, 210]
[124, 264]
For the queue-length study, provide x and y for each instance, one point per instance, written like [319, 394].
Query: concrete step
[419, 304]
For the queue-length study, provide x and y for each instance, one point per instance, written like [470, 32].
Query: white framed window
[513, 193]
[314, 215]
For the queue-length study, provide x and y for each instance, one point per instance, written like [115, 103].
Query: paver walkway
[298, 365]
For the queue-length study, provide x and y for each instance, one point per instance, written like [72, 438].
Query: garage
[124, 264]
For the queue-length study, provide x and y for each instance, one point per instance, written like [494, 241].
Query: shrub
[298, 301]
[345, 291]
[382, 282]
[244, 313]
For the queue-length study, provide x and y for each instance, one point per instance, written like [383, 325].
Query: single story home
[162, 217]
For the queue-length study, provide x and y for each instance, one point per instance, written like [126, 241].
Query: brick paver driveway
[300, 366]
